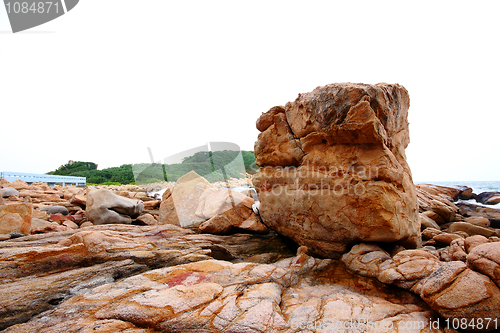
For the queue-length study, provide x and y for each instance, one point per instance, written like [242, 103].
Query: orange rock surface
[333, 170]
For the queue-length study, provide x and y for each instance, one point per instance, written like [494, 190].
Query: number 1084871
[42, 7]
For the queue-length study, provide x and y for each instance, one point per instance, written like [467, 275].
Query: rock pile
[467, 291]
[39, 208]
[457, 270]
[444, 220]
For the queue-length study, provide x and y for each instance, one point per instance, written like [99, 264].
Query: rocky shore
[340, 240]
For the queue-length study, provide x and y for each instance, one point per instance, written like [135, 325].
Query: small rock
[15, 234]
[218, 225]
[473, 241]
[434, 216]
[430, 233]
[427, 222]
[479, 221]
[79, 217]
[445, 211]
[8, 192]
[70, 224]
[457, 250]
[471, 229]
[455, 291]
[264, 258]
[147, 219]
[153, 204]
[180, 207]
[488, 198]
[461, 234]
[253, 224]
[302, 250]
[39, 226]
[56, 210]
[79, 200]
[466, 195]
[57, 218]
[446, 238]
[40, 214]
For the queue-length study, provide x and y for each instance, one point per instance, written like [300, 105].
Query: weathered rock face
[333, 170]
[15, 217]
[38, 272]
[105, 207]
[291, 295]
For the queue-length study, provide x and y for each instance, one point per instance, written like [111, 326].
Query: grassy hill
[214, 166]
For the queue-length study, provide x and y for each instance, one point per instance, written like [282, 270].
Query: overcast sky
[111, 78]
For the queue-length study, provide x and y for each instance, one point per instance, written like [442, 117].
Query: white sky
[113, 77]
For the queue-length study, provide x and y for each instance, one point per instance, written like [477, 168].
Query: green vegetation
[214, 166]
[118, 175]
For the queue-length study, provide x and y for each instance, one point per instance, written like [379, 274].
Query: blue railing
[47, 179]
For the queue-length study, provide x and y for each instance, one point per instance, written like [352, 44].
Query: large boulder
[485, 258]
[105, 207]
[15, 217]
[333, 170]
[179, 206]
[456, 292]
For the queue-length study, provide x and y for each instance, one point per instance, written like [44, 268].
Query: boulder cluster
[340, 239]
[39, 208]
[456, 271]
